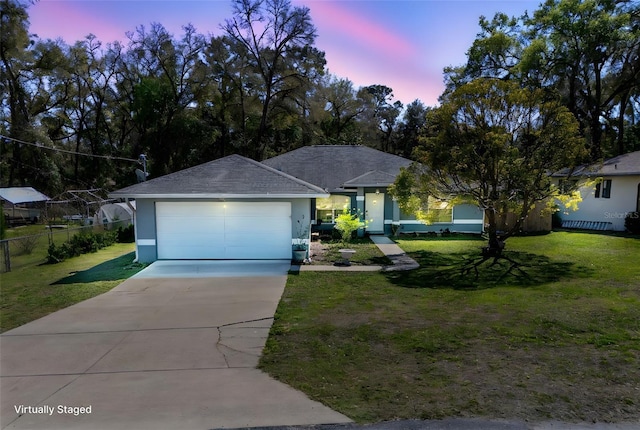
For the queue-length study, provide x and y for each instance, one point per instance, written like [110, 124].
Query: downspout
[135, 227]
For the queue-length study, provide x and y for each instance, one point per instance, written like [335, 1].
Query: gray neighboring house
[230, 208]
[358, 176]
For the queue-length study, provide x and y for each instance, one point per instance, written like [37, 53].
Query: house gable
[233, 176]
[333, 166]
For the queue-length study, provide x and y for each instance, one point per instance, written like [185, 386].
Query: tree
[588, 51]
[493, 144]
[382, 112]
[167, 81]
[594, 47]
[30, 71]
[413, 120]
[337, 110]
[273, 34]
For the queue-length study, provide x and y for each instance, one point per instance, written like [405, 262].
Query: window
[439, 211]
[603, 189]
[327, 209]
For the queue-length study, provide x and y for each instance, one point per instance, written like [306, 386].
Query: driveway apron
[169, 348]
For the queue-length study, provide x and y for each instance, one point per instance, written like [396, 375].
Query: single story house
[230, 208]
[359, 176]
[238, 208]
[605, 205]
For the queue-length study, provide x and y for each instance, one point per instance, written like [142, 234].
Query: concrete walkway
[161, 350]
[399, 259]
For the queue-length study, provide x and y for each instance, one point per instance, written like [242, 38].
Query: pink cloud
[59, 19]
[370, 34]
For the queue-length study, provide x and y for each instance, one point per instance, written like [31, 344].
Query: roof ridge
[283, 174]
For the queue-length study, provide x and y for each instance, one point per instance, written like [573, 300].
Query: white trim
[146, 242]
[187, 196]
[388, 221]
[359, 198]
[468, 221]
[459, 221]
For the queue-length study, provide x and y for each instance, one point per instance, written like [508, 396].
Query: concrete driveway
[174, 347]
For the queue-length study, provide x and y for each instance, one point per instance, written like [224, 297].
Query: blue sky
[402, 44]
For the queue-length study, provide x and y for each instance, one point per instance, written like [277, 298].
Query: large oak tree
[492, 143]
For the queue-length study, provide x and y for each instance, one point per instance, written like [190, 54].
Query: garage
[223, 230]
[231, 208]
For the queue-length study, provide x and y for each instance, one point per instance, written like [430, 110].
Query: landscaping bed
[326, 252]
[562, 343]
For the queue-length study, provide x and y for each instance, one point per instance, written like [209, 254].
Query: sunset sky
[401, 44]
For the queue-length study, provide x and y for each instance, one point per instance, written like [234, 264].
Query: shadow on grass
[440, 271]
[112, 270]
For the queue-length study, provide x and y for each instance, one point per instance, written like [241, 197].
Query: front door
[374, 212]
[638, 200]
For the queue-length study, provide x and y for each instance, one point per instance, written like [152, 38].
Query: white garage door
[223, 230]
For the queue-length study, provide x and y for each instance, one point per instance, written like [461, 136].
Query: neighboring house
[616, 193]
[230, 208]
[358, 176]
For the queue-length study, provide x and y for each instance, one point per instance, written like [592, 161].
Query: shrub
[347, 223]
[26, 244]
[125, 234]
[57, 254]
[81, 243]
[632, 222]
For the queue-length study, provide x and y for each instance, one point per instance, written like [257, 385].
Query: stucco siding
[146, 230]
[466, 219]
[412, 226]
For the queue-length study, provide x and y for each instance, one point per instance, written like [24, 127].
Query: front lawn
[561, 343]
[32, 292]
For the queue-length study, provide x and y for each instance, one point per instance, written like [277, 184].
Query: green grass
[34, 291]
[41, 237]
[561, 343]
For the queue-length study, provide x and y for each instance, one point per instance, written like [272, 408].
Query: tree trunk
[496, 244]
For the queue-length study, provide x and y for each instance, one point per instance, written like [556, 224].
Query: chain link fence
[32, 249]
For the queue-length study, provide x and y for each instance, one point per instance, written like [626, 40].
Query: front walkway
[400, 260]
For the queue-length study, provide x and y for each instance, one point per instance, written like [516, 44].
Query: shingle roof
[232, 176]
[334, 166]
[622, 165]
[374, 178]
[15, 195]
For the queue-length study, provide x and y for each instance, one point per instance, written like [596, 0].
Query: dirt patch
[318, 252]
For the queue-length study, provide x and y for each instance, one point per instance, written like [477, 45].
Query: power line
[84, 154]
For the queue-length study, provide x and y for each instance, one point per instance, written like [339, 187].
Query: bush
[347, 224]
[26, 244]
[82, 243]
[632, 222]
[125, 234]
